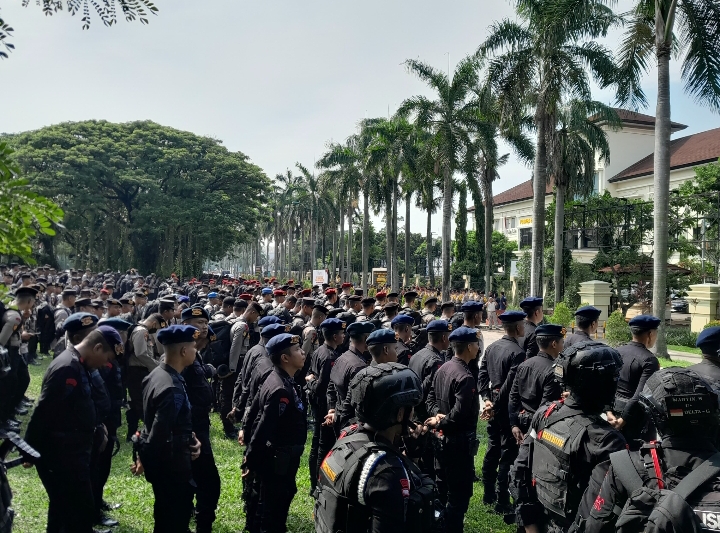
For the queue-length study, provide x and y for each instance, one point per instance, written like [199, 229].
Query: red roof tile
[524, 191]
[684, 152]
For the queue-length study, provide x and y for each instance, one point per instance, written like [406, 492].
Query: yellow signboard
[381, 278]
[524, 221]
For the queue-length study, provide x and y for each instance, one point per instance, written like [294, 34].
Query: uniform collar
[545, 355]
[170, 370]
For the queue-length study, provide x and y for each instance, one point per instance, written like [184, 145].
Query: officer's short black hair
[436, 336]
[460, 347]
[510, 326]
[275, 357]
[376, 350]
[545, 341]
[228, 301]
[166, 306]
[636, 331]
[584, 322]
[83, 333]
[240, 304]
[471, 315]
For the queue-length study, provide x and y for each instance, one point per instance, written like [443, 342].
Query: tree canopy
[141, 194]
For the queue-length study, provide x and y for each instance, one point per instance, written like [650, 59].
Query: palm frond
[699, 29]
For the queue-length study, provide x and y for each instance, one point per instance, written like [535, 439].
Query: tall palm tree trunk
[395, 281]
[342, 247]
[408, 199]
[350, 243]
[301, 267]
[290, 247]
[661, 180]
[558, 244]
[538, 223]
[333, 265]
[487, 192]
[388, 235]
[447, 213]
[429, 249]
[365, 239]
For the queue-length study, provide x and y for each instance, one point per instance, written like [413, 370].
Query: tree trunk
[291, 230]
[388, 237]
[408, 199]
[332, 252]
[558, 244]
[350, 243]
[446, 229]
[429, 249]
[488, 175]
[661, 181]
[365, 240]
[342, 247]
[275, 246]
[538, 223]
[395, 281]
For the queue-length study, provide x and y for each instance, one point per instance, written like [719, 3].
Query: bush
[616, 329]
[711, 324]
[681, 337]
[561, 315]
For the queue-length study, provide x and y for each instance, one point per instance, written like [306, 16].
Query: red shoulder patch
[285, 400]
[599, 502]
[71, 382]
[405, 485]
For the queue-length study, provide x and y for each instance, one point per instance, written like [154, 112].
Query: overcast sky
[276, 80]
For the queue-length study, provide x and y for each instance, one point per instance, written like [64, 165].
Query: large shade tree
[551, 53]
[690, 30]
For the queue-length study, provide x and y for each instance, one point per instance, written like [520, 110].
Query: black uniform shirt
[709, 370]
[113, 383]
[63, 423]
[246, 373]
[168, 423]
[281, 420]
[454, 394]
[534, 385]
[200, 395]
[578, 336]
[639, 364]
[345, 368]
[322, 362]
[425, 364]
[403, 353]
[529, 341]
[497, 371]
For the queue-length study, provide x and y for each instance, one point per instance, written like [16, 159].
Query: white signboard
[319, 277]
[513, 269]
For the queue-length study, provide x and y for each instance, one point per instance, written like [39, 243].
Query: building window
[496, 224]
[596, 182]
[509, 222]
[525, 238]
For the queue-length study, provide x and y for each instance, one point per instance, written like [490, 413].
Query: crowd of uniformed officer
[391, 391]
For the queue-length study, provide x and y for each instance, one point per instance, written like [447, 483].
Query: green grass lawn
[686, 349]
[135, 494]
[664, 363]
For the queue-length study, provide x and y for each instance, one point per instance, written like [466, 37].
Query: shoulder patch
[405, 486]
[284, 402]
[551, 438]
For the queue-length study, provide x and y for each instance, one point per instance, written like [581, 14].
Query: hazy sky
[274, 79]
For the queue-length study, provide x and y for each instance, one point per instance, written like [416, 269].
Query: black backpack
[221, 345]
[662, 510]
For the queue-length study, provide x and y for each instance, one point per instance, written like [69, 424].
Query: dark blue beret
[709, 340]
[402, 319]
[274, 329]
[177, 334]
[381, 336]
[281, 342]
[644, 322]
[115, 322]
[440, 325]
[588, 311]
[550, 330]
[465, 334]
[267, 320]
[529, 303]
[333, 324]
[194, 312]
[512, 316]
[358, 328]
[471, 306]
[112, 337]
[78, 321]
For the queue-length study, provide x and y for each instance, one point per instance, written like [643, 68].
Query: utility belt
[525, 420]
[465, 442]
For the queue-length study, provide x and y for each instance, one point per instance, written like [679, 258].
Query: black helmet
[680, 402]
[590, 371]
[378, 391]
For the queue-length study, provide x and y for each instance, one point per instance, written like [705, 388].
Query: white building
[629, 174]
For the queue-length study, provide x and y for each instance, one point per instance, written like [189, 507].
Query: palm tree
[573, 147]
[428, 201]
[652, 28]
[449, 118]
[550, 55]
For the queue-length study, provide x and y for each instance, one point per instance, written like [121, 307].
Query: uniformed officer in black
[586, 325]
[454, 407]
[402, 324]
[684, 443]
[533, 307]
[567, 440]
[639, 363]
[168, 446]
[497, 374]
[387, 492]
[340, 412]
[535, 383]
[708, 341]
[278, 434]
[200, 394]
[318, 378]
[425, 364]
[382, 344]
[62, 428]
